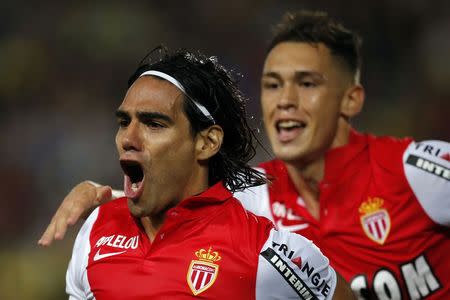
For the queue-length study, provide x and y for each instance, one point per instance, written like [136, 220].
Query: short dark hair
[210, 84]
[317, 27]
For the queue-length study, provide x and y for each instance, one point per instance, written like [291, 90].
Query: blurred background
[63, 72]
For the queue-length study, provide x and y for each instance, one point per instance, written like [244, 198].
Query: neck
[310, 173]
[307, 176]
[151, 227]
[196, 184]
[306, 180]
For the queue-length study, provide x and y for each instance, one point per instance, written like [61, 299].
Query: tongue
[132, 190]
[286, 135]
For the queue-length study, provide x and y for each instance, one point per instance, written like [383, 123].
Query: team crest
[203, 272]
[375, 220]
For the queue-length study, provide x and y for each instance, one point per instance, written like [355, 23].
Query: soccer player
[379, 207]
[178, 232]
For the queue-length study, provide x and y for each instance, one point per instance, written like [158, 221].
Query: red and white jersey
[384, 215]
[209, 247]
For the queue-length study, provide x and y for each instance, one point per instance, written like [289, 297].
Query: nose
[129, 137]
[288, 98]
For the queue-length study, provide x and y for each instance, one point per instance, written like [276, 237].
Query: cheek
[312, 102]
[266, 113]
[173, 149]
[174, 164]
[267, 106]
[117, 139]
[322, 107]
[326, 121]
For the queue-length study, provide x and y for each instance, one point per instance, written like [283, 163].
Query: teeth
[134, 187]
[289, 124]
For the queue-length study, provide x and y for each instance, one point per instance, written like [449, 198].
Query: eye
[154, 124]
[270, 85]
[123, 122]
[308, 84]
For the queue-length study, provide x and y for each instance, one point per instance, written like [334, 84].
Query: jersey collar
[346, 158]
[194, 206]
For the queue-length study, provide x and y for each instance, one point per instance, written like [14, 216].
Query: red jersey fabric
[209, 247]
[384, 212]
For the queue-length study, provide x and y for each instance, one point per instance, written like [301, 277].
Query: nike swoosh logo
[291, 227]
[99, 256]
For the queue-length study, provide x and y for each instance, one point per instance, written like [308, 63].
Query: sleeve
[256, 199]
[292, 267]
[427, 170]
[77, 285]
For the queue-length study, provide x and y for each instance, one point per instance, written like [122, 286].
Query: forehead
[153, 94]
[290, 57]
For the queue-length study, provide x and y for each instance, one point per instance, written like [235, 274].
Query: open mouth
[289, 125]
[133, 170]
[288, 130]
[133, 179]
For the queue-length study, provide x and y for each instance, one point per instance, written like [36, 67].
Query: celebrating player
[179, 232]
[379, 207]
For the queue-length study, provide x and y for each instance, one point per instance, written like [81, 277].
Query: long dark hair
[210, 84]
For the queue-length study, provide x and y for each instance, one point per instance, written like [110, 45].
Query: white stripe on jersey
[292, 267]
[256, 199]
[77, 284]
[428, 175]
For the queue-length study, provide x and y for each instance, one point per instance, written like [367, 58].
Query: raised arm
[79, 203]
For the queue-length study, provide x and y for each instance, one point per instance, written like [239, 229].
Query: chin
[288, 157]
[288, 153]
[135, 210]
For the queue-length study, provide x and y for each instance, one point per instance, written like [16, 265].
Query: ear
[208, 142]
[353, 101]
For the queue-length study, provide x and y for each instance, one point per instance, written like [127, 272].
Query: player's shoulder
[112, 212]
[245, 231]
[427, 158]
[117, 206]
[387, 145]
[248, 218]
[434, 150]
[255, 199]
[292, 266]
[386, 153]
[427, 170]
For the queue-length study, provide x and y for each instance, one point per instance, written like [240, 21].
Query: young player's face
[155, 145]
[301, 92]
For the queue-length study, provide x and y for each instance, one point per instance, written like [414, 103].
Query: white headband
[181, 88]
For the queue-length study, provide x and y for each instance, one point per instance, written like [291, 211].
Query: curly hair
[211, 84]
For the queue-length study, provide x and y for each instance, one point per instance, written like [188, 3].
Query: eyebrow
[297, 74]
[145, 115]
[120, 114]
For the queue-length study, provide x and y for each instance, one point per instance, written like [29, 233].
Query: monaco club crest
[203, 272]
[375, 220]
